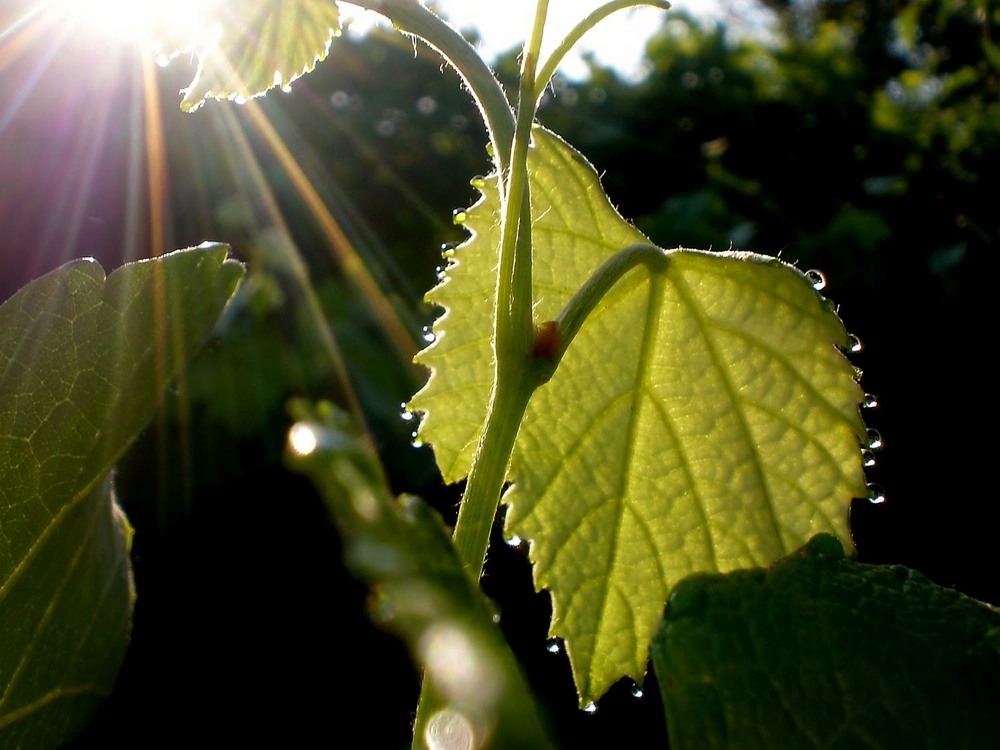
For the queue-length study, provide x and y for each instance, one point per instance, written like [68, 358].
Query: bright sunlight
[152, 21]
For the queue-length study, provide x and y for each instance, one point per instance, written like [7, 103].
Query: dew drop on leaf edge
[817, 279]
[876, 496]
[874, 439]
[552, 646]
[590, 708]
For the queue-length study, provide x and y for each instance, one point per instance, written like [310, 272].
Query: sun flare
[152, 22]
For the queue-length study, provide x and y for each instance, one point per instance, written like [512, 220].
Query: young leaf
[83, 360]
[820, 651]
[420, 592]
[249, 46]
[702, 420]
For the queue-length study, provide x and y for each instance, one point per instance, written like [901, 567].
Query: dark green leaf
[83, 360]
[822, 652]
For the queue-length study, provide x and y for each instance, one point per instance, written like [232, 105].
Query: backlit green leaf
[823, 652]
[246, 47]
[706, 423]
[83, 360]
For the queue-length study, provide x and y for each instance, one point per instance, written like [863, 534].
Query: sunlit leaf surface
[419, 591]
[823, 652]
[708, 426]
[245, 47]
[83, 359]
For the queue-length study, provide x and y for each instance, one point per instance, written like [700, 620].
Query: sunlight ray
[338, 242]
[239, 152]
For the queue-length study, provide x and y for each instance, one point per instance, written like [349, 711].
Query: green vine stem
[517, 372]
[576, 311]
[410, 17]
[548, 70]
[513, 334]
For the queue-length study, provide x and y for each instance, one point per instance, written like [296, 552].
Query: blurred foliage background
[859, 138]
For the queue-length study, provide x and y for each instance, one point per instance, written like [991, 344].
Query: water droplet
[515, 541]
[496, 618]
[817, 279]
[417, 443]
[459, 216]
[429, 335]
[405, 414]
[874, 440]
[870, 401]
[478, 182]
[552, 646]
[876, 495]
[287, 88]
[590, 708]
[858, 374]
[302, 439]
[637, 691]
[449, 730]
[867, 459]
[854, 344]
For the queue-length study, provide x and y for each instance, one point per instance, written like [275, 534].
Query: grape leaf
[245, 47]
[703, 424]
[823, 652]
[83, 360]
[420, 591]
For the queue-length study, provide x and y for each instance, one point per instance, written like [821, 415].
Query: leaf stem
[548, 70]
[413, 18]
[513, 330]
[576, 311]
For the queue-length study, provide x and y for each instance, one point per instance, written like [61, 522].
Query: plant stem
[548, 70]
[513, 335]
[514, 378]
[576, 311]
[413, 18]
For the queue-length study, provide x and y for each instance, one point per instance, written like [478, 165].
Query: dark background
[860, 138]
